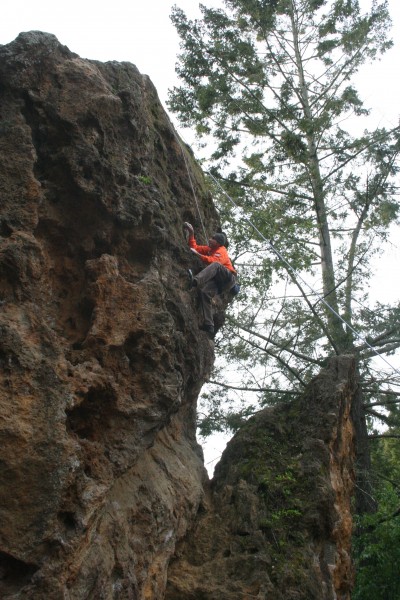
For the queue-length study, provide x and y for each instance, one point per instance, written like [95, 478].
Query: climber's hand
[194, 251]
[189, 227]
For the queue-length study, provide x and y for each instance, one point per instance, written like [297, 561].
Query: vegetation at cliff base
[377, 539]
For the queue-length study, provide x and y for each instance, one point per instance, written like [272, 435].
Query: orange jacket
[209, 256]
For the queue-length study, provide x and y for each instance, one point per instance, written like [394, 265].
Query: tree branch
[373, 526]
[377, 415]
[351, 258]
[278, 345]
[377, 339]
[249, 389]
[360, 151]
[374, 436]
[384, 403]
[276, 357]
[383, 351]
[264, 188]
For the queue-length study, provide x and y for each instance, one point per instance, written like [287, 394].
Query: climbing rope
[297, 276]
[191, 181]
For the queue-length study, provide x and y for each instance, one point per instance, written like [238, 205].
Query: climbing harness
[235, 289]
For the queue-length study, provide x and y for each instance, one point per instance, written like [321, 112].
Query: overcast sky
[140, 31]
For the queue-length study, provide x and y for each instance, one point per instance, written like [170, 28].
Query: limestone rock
[101, 356]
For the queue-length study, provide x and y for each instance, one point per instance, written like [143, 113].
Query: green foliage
[271, 82]
[145, 179]
[218, 419]
[378, 563]
[377, 542]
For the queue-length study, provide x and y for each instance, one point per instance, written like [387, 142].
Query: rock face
[276, 522]
[101, 357]
[102, 481]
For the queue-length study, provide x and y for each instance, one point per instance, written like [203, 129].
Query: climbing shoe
[192, 281]
[209, 329]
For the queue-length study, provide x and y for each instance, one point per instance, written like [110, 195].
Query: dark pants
[212, 280]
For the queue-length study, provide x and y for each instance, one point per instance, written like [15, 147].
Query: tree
[267, 84]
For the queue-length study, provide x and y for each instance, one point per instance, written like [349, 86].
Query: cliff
[102, 482]
[102, 360]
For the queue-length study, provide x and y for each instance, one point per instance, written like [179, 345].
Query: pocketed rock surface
[101, 356]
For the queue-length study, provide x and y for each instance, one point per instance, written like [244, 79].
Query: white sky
[140, 32]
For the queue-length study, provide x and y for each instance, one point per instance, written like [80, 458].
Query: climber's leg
[206, 294]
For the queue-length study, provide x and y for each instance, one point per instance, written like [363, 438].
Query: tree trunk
[312, 165]
[365, 502]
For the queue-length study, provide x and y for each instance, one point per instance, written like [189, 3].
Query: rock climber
[218, 276]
